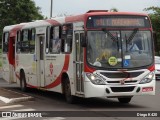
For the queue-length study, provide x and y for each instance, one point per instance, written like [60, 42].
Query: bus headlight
[95, 79]
[147, 78]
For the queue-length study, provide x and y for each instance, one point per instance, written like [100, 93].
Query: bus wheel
[23, 85]
[67, 92]
[125, 100]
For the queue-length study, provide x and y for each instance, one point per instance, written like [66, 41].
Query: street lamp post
[51, 8]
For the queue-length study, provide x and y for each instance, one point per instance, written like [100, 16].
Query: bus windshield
[119, 48]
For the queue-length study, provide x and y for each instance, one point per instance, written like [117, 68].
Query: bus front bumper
[111, 90]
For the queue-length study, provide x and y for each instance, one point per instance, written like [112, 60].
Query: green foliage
[18, 11]
[155, 19]
[113, 10]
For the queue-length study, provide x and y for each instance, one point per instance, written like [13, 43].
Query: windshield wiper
[112, 37]
[132, 35]
[110, 34]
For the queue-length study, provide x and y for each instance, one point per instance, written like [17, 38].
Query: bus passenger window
[50, 39]
[68, 44]
[25, 42]
[55, 41]
[47, 39]
[32, 41]
[5, 42]
[18, 43]
[67, 34]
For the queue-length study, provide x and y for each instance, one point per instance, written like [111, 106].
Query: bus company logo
[51, 68]
[127, 76]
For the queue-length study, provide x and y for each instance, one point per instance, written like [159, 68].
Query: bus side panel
[5, 67]
[28, 64]
[54, 65]
[71, 73]
[72, 68]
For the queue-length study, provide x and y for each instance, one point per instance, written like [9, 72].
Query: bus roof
[68, 19]
[10, 27]
[116, 13]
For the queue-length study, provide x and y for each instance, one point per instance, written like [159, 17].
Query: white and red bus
[96, 54]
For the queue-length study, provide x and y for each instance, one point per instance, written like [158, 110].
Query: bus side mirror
[83, 41]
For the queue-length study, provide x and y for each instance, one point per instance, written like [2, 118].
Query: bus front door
[79, 63]
[40, 61]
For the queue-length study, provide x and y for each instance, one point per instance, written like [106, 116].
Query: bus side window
[55, 40]
[47, 39]
[32, 41]
[18, 43]
[50, 39]
[62, 45]
[67, 34]
[25, 41]
[5, 42]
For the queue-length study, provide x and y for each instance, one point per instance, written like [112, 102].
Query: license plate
[147, 89]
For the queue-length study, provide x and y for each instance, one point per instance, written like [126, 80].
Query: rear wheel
[23, 85]
[124, 100]
[67, 92]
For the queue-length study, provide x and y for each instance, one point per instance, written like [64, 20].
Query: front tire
[69, 98]
[23, 85]
[124, 100]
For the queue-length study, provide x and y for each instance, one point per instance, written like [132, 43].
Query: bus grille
[130, 81]
[122, 89]
[121, 74]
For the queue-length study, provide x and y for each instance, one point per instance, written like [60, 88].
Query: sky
[74, 7]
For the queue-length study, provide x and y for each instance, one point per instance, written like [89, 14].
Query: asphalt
[8, 96]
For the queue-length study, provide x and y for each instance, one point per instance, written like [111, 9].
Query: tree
[155, 19]
[18, 11]
[113, 10]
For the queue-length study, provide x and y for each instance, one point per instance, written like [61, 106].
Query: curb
[15, 100]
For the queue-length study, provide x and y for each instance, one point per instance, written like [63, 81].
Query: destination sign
[101, 21]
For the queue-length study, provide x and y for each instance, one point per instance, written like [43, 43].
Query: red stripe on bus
[74, 18]
[86, 67]
[65, 69]
[58, 80]
[53, 22]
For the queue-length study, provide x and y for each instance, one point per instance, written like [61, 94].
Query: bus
[95, 54]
